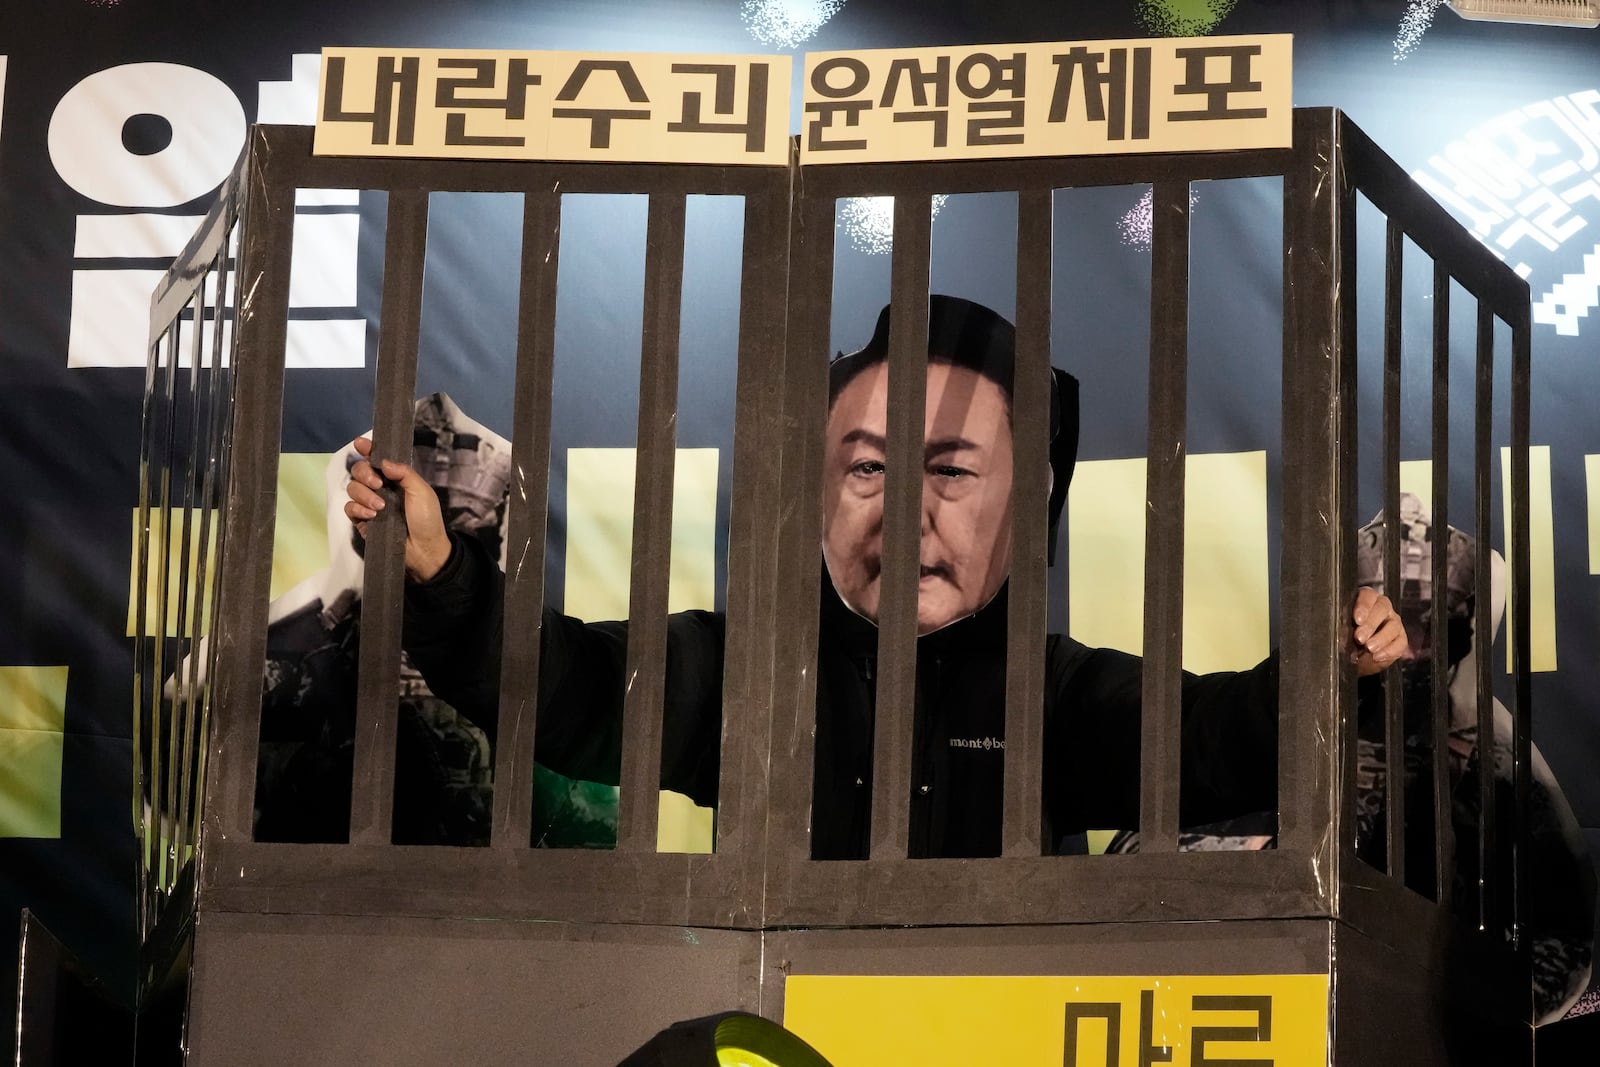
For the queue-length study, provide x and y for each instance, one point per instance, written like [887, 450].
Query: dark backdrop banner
[118, 118]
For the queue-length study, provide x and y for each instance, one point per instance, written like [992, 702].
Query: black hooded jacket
[1092, 723]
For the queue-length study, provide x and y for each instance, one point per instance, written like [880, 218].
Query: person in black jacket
[1092, 722]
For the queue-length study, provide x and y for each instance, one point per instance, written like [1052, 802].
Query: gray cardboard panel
[273, 989]
[1389, 1008]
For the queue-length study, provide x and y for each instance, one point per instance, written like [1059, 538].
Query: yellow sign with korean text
[581, 106]
[1266, 1020]
[1051, 99]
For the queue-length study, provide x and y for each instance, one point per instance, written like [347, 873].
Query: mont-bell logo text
[985, 743]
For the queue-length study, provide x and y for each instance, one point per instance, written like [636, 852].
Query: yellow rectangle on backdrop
[639, 107]
[600, 483]
[938, 1021]
[186, 523]
[33, 720]
[1541, 559]
[600, 531]
[299, 545]
[1072, 98]
[300, 534]
[1226, 596]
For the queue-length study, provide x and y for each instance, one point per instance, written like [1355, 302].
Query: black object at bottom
[64, 1014]
[694, 1043]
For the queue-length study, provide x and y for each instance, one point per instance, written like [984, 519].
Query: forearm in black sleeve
[454, 625]
[582, 691]
[452, 632]
[1091, 737]
[1093, 740]
[1230, 743]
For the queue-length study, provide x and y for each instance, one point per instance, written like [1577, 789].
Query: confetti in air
[1137, 225]
[1413, 24]
[787, 23]
[869, 222]
[1183, 18]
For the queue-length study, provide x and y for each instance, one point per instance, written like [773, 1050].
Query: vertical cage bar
[1483, 625]
[1315, 754]
[163, 712]
[527, 513]
[253, 430]
[383, 587]
[1394, 734]
[1522, 622]
[1028, 607]
[201, 660]
[143, 704]
[902, 529]
[1161, 728]
[804, 400]
[1439, 582]
[178, 530]
[752, 609]
[1346, 480]
[639, 801]
[188, 614]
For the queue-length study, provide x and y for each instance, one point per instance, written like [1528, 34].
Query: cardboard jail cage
[371, 951]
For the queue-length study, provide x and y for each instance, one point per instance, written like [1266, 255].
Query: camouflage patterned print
[444, 769]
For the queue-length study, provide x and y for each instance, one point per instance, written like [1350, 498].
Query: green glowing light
[738, 1057]
[1183, 18]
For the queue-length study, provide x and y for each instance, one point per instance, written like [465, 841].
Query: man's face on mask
[966, 493]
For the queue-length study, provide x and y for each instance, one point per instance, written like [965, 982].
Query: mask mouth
[938, 569]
